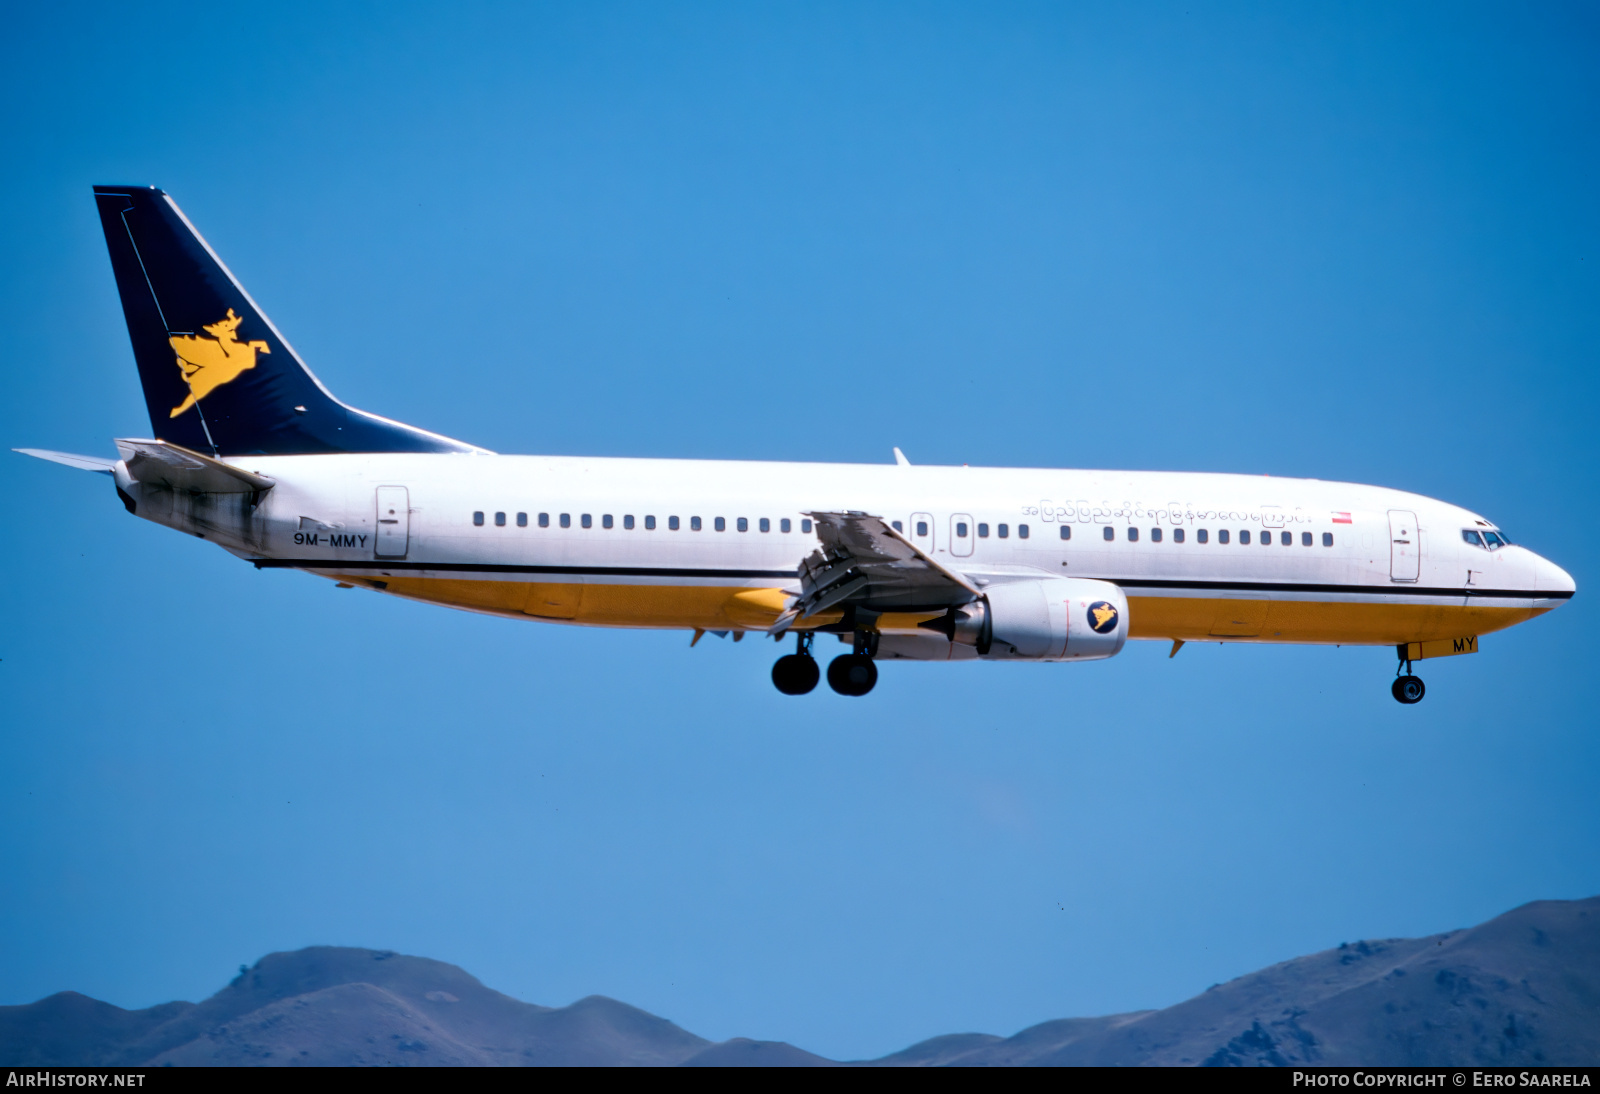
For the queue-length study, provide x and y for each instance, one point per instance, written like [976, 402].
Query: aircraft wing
[865, 562]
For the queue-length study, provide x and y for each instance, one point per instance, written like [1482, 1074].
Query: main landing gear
[797, 673]
[855, 673]
[852, 673]
[1407, 689]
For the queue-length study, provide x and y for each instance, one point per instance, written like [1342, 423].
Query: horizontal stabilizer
[82, 463]
[157, 463]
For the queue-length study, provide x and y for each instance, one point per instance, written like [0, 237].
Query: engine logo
[1102, 617]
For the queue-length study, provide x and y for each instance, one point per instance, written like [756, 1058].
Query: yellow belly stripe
[676, 607]
[1193, 619]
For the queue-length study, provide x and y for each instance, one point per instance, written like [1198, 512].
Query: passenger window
[720, 524]
[766, 525]
[649, 524]
[1222, 536]
[1155, 535]
[499, 520]
[961, 529]
[1110, 533]
[1002, 531]
[694, 524]
[1022, 531]
[672, 524]
[1201, 535]
[627, 522]
[784, 525]
[1066, 531]
[477, 518]
[922, 527]
[1177, 535]
[1133, 535]
[1327, 539]
[983, 531]
[605, 521]
[805, 524]
[896, 526]
[742, 524]
[1287, 539]
[587, 520]
[544, 520]
[1244, 537]
[1305, 539]
[522, 520]
[566, 520]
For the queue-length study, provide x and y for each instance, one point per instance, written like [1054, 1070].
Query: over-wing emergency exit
[897, 561]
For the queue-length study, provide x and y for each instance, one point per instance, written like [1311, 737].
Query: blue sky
[1341, 241]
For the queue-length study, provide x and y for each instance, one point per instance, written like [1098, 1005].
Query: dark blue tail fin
[217, 376]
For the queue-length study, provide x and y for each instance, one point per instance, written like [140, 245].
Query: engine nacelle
[1050, 619]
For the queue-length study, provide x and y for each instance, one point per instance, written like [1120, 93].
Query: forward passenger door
[1405, 546]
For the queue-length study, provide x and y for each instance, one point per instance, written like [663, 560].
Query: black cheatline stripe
[1370, 590]
[491, 568]
[666, 571]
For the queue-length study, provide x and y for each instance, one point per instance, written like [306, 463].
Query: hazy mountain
[1521, 989]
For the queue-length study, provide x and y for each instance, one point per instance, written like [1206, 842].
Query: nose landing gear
[1407, 689]
[797, 673]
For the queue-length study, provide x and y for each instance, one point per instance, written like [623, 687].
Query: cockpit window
[1488, 540]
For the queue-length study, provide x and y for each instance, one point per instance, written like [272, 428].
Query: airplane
[898, 561]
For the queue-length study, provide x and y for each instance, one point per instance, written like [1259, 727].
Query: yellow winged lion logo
[208, 363]
[1102, 617]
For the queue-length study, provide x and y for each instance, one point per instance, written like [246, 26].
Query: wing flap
[863, 561]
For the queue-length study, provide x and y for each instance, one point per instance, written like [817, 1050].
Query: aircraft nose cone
[1550, 578]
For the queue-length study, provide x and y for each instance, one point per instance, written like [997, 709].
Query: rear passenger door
[394, 522]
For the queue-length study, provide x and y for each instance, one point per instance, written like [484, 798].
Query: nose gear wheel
[1407, 688]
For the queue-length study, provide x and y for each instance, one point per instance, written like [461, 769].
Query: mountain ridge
[1521, 989]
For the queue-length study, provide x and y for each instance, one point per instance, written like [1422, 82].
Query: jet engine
[1049, 619]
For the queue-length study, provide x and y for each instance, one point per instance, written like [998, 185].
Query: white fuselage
[671, 543]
